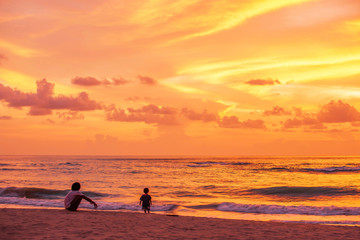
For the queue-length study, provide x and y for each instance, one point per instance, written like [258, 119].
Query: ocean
[311, 189]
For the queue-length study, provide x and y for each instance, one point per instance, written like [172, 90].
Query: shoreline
[27, 223]
[287, 218]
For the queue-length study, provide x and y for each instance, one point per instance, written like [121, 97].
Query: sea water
[311, 189]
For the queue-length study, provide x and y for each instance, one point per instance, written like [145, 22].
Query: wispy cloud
[5, 117]
[262, 82]
[276, 111]
[233, 122]
[147, 80]
[150, 114]
[91, 81]
[199, 116]
[19, 50]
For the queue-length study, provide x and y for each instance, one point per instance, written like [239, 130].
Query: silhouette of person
[145, 201]
[74, 197]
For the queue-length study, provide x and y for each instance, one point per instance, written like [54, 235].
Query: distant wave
[40, 193]
[209, 163]
[280, 209]
[5, 164]
[14, 169]
[333, 169]
[327, 170]
[146, 158]
[304, 191]
[199, 165]
[69, 164]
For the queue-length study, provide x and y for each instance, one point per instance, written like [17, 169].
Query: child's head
[146, 190]
[75, 186]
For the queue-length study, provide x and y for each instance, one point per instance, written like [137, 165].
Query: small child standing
[145, 199]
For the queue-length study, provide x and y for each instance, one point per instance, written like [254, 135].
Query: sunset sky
[186, 77]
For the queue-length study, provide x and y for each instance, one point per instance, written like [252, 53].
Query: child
[146, 201]
[74, 197]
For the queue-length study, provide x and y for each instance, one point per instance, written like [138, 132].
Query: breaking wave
[333, 169]
[304, 191]
[210, 163]
[280, 209]
[40, 193]
[327, 170]
[58, 203]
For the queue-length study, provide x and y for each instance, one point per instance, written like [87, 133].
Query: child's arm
[140, 202]
[90, 201]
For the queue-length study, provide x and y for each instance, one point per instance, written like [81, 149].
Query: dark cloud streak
[91, 81]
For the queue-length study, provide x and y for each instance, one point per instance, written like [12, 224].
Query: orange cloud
[306, 121]
[195, 116]
[70, 115]
[262, 82]
[147, 80]
[2, 57]
[91, 81]
[5, 117]
[338, 112]
[276, 111]
[332, 112]
[233, 122]
[147, 114]
[43, 102]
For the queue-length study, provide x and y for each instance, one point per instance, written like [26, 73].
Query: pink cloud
[148, 114]
[276, 111]
[305, 121]
[332, 112]
[195, 116]
[355, 124]
[2, 57]
[85, 81]
[233, 122]
[70, 115]
[137, 98]
[262, 82]
[117, 81]
[298, 112]
[153, 109]
[38, 111]
[91, 81]
[147, 80]
[338, 112]
[5, 117]
[43, 101]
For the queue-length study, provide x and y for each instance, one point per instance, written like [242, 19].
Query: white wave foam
[334, 169]
[101, 205]
[279, 209]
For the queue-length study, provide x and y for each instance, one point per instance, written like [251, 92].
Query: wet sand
[62, 224]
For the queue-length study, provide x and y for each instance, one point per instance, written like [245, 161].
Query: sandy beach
[61, 224]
